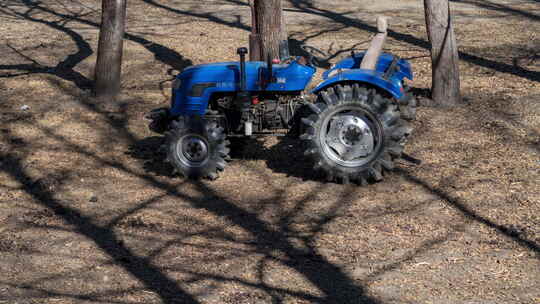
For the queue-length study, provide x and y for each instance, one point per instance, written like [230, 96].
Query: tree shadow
[499, 7]
[467, 212]
[150, 152]
[65, 68]
[501, 112]
[151, 276]
[330, 279]
[309, 7]
[210, 17]
[286, 156]
[335, 284]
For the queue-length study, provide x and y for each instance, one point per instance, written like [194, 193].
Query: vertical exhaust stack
[369, 62]
[243, 96]
[242, 52]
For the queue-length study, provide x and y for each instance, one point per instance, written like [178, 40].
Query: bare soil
[91, 214]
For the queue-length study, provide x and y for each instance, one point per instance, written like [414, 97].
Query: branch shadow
[208, 16]
[334, 283]
[461, 206]
[141, 268]
[65, 68]
[309, 7]
[286, 156]
[499, 7]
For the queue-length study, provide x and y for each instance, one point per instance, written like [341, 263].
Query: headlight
[176, 84]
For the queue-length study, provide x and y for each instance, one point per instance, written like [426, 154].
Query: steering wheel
[288, 60]
[313, 54]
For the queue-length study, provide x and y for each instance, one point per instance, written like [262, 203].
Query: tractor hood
[195, 86]
[226, 76]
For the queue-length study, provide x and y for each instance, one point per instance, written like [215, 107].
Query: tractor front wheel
[196, 148]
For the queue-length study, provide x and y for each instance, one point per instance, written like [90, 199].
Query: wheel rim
[351, 137]
[192, 150]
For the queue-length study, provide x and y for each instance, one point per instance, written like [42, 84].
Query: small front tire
[196, 147]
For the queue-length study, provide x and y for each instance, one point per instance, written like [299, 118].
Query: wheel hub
[194, 149]
[350, 137]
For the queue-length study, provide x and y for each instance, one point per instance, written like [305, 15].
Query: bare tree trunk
[268, 35]
[254, 37]
[444, 53]
[109, 58]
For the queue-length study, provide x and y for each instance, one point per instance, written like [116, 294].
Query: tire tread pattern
[394, 118]
[218, 146]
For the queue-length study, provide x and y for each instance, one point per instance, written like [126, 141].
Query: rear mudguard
[348, 71]
[392, 86]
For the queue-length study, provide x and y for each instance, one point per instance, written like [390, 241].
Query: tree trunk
[109, 58]
[444, 53]
[254, 37]
[268, 35]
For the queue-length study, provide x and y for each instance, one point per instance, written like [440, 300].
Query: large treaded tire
[391, 128]
[206, 132]
[407, 106]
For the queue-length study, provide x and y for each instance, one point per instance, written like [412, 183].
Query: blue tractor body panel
[198, 83]
[353, 62]
[348, 70]
[393, 86]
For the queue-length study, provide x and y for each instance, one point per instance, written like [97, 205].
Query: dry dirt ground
[90, 214]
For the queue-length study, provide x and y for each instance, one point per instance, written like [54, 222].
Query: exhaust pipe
[242, 52]
[243, 96]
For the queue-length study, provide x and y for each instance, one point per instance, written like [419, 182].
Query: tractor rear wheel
[196, 148]
[354, 134]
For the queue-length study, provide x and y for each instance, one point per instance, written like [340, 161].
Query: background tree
[109, 58]
[444, 53]
[268, 32]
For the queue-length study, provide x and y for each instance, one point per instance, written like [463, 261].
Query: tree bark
[445, 87]
[109, 57]
[268, 35]
[254, 37]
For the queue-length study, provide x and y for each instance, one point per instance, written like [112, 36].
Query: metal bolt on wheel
[349, 138]
[194, 150]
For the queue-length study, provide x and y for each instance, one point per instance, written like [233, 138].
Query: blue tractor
[353, 124]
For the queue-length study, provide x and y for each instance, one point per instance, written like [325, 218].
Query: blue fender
[353, 62]
[392, 85]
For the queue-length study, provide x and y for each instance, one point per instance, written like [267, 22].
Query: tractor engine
[268, 113]
[273, 114]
